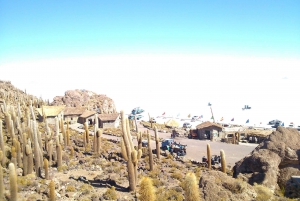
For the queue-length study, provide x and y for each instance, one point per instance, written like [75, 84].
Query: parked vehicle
[187, 125]
[144, 143]
[153, 120]
[173, 147]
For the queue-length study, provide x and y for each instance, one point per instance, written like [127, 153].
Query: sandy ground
[196, 149]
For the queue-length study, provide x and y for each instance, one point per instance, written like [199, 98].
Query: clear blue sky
[46, 29]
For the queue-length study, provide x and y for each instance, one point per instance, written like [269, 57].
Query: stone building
[50, 112]
[88, 116]
[71, 114]
[208, 130]
[109, 120]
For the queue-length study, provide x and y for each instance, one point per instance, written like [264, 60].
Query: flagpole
[212, 114]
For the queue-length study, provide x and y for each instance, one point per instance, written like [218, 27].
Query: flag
[212, 117]
[282, 124]
[247, 121]
[232, 119]
[189, 115]
[222, 119]
[260, 122]
[209, 104]
[201, 117]
[164, 113]
[178, 114]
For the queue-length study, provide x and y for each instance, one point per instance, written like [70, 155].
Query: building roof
[74, 110]
[108, 117]
[87, 113]
[207, 124]
[50, 110]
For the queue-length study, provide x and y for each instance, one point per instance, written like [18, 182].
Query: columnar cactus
[46, 167]
[147, 192]
[86, 128]
[223, 161]
[29, 161]
[157, 143]
[208, 156]
[59, 155]
[191, 189]
[98, 140]
[52, 196]
[50, 151]
[13, 182]
[150, 151]
[2, 144]
[139, 139]
[127, 138]
[2, 189]
[37, 153]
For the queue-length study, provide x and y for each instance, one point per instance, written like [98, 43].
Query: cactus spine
[223, 161]
[13, 182]
[157, 143]
[146, 191]
[52, 191]
[208, 156]
[150, 151]
[190, 187]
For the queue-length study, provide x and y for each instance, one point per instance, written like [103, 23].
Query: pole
[212, 114]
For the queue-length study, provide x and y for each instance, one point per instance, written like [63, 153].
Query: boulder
[274, 161]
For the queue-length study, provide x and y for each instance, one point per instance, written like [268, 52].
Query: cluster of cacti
[129, 153]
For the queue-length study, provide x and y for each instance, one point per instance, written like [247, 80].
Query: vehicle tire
[189, 136]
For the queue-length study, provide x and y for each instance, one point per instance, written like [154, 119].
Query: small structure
[208, 130]
[87, 116]
[50, 112]
[256, 136]
[172, 123]
[71, 114]
[109, 120]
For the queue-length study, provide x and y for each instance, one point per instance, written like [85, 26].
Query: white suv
[187, 125]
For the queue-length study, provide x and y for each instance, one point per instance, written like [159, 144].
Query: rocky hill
[88, 99]
[273, 162]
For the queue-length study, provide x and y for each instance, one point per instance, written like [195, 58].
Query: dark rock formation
[274, 161]
[88, 99]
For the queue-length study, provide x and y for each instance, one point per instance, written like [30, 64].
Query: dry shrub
[171, 194]
[236, 186]
[263, 193]
[110, 194]
[85, 189]
[177, 175]
[146, 191]
[157, 183]
[190, 186]
[154, 173]
[70, 188]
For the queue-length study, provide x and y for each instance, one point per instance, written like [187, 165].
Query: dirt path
[196, 149]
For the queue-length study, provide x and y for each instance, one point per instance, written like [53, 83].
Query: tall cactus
[150, 151]
[59, 155]
[191, 189]
[98, 140]
[157, 143]
[223, 161]
[2, 189]
[37, 153]
[139, 139]
[13, 182]
[86, 128]
[2, 144]
[46, 167]
[127, 138]
[208, 157]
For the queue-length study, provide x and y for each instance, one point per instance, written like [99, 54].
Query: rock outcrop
[217, 185]
[274, 161]
[88, 99]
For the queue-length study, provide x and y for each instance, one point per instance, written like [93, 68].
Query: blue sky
[33, 29]
[171, 56]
